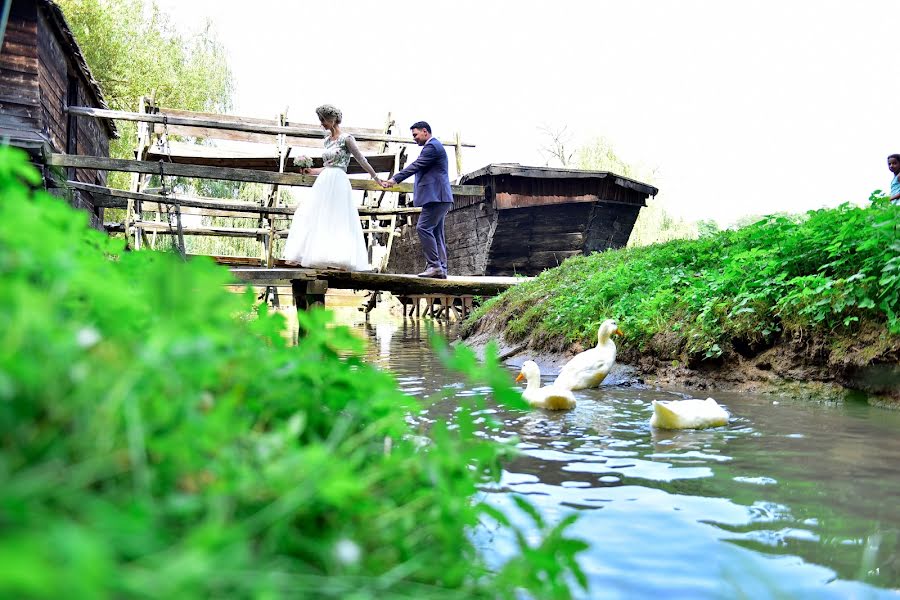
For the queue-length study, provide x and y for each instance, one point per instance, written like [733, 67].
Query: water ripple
[791, 499]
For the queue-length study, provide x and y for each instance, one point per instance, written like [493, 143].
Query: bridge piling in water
[454, 295]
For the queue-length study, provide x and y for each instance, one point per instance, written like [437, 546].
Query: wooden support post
[389, 122]
[308, 292]
[371, 303]
[392, 223]
[458, 157]
[270, 199]
[298, 289]
[133, 210]
[163, 140]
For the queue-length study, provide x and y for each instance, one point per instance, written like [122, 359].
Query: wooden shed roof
[67, 39]
[517, 170]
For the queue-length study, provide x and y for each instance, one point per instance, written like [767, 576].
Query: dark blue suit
[431, 192]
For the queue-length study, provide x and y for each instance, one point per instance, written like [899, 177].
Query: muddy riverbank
[807, 304]
[868, 366]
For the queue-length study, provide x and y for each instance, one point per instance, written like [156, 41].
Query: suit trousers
[430, 228]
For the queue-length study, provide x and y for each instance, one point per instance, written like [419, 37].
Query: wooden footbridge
[453, 295]
[159, 200]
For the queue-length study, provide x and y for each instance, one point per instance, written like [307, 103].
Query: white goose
[688, 414]
[589, 368]
[550, 397]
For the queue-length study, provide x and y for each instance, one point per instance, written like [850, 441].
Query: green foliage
[707, 227]
[654, 224]
[826, 271]
[599, 155]
[134, 50]
[159, 438]
[746, 220]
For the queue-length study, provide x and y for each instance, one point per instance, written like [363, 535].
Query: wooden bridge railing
[160, 124]
[107, 197]
[163, 118]
[227, 173]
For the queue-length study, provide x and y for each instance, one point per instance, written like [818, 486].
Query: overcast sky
[741, 107]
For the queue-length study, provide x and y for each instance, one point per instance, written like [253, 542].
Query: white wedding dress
[325, 231]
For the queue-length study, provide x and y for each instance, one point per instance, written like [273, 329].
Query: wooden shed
[42, 71]
[530, 219]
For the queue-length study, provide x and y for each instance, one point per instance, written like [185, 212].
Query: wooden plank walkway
[406, 285]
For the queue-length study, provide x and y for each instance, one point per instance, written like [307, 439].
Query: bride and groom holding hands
[325, 231]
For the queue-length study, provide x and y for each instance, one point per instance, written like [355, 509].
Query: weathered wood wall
[528, 240]
[609, 226]
[468, 229]
[406, 252]
[90, 139]
[524, 226]
[54, 77]
[39, 77]
[20, 118]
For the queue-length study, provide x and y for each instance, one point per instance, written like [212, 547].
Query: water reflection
[791, 499]
[383, 333]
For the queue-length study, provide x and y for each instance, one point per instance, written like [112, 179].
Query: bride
[325, 231]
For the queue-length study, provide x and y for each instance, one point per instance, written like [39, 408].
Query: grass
[160, 439]
[829, 274]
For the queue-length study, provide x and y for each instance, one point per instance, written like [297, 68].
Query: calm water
[792, 499]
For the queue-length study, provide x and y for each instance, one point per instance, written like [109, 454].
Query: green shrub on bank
[159, 440]
[827, 271]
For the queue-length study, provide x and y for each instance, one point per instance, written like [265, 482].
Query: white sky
[742, 107]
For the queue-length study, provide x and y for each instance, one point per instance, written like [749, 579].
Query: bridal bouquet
[303, 162]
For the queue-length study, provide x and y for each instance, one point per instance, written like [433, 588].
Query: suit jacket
[432, 177]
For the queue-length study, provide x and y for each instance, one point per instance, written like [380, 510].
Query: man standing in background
[894, 167]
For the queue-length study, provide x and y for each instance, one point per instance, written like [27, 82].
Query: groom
[432, 192]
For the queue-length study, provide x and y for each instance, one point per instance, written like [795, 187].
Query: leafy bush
[159, 439]
[827, 271]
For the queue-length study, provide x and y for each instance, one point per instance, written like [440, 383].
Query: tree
[555, 147]
[653, 224]
[133, 50]
[707, 227]
[747, 220]
[598, 155]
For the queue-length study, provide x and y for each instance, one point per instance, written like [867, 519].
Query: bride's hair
[328, 111]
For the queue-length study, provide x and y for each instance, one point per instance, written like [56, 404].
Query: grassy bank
[823, 288]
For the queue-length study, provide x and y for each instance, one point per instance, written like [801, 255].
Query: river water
[792, 499]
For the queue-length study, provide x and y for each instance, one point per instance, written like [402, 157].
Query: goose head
[531, 373]
[606, 330]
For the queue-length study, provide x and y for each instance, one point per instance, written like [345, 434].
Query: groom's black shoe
[433, 273]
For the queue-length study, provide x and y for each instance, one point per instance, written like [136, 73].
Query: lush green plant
[160, 439]
[826, 271]
[707, 227]
[655, 224]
